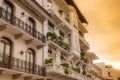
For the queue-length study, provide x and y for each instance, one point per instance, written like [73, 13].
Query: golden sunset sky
[103, 35]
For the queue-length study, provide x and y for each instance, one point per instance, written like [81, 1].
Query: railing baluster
[20, 65]
[10, 18]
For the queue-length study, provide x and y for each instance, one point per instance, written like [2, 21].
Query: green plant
[60, 12]
[47, 61]
[76, 69]
[67, 71]
[59, 38]
[82, 54]
[52, 35]
[65, 45]
[66, 65]
[81, 33]
[49, 34]
[84, 72]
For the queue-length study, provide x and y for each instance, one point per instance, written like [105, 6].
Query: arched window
[30, 60]
[5, 46]
[9, 7]
[31, 23]
[30, 55]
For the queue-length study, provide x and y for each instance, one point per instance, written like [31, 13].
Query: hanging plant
[60, 12]
[47, 61]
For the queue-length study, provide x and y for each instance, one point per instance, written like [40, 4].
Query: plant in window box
[54, 37]
[76, 69]
[65, 65]
[48, 61]
[67, 71]
[82, 53]
[60, 43]
[66, 46]
[84, 72]
[60, 12]
[49, 35]
[59, 40]
[81, 33]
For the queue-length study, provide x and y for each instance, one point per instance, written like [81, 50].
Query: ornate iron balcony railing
[19, 24]
[16, 64]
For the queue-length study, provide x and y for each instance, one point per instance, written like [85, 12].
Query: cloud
[104, 27]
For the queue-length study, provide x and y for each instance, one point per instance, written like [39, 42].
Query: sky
[103, 35]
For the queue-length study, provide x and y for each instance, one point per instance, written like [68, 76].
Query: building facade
[43, 40]
[109, 73]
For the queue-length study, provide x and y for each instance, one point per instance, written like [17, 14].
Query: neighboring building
[109, 73]
[95, 71]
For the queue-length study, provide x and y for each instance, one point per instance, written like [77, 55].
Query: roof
[81, 17]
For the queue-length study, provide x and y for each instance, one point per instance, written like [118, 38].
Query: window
[8, 6]
[62, 34]
[31, 23]
[50, 27]
[52, 53]
[109, 74]
[30, 60]
[30, 55]
[5, 46]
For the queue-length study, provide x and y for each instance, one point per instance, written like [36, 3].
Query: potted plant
[67, 71]
[59, 40]
[66, 46]
[60, 12]
[84, 72]
[65, 65]
[54, 37]
[76, 69]
[82, 53]
[49, 35]
[47, 61]
[81, 33]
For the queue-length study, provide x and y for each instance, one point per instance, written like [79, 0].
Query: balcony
[84, 44]
[58, 70]
[13, 25]
[59, 18]
[17, 66]
[93, 69]
[53, 40]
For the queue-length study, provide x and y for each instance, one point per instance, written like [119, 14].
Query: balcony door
[5, 46]
[32, 30]
[5, 52]
[8, 12]
[30, 60]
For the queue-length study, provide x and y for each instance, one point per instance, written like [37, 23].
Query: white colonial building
[44, 40]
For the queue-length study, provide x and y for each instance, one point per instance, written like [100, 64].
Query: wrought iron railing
[21, 65]
[18, 23]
